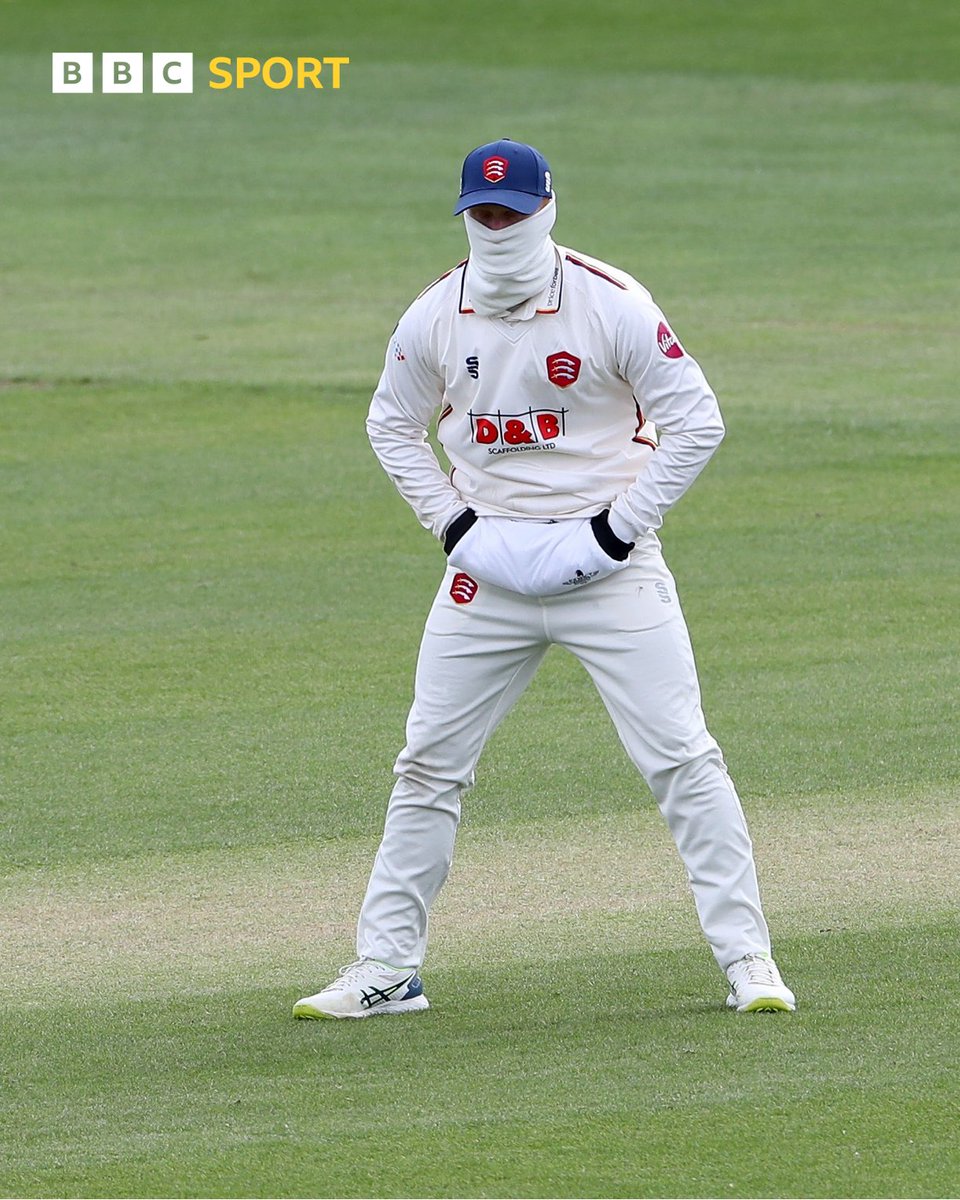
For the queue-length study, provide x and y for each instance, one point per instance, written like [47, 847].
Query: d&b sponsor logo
[534, 429]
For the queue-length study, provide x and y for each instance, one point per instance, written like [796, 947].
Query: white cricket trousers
[476, 658]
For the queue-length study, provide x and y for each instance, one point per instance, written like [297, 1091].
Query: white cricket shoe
[366, 988]
[756, 986]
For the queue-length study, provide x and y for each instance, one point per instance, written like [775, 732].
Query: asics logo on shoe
[372, 996]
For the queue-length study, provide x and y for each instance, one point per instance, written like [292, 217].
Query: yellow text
[276, 73]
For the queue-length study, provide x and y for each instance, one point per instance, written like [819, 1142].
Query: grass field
[211, 597]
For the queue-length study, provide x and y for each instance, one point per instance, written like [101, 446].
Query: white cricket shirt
[548, 417]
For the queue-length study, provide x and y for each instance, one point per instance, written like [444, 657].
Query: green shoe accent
[767, 1004]
[304, 1012]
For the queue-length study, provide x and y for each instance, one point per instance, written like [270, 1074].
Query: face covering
[508, 266]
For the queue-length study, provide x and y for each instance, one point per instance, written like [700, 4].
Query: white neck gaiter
[508, 266]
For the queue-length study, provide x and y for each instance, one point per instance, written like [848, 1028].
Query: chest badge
[563, 368]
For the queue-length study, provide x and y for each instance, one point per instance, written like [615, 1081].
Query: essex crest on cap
[506, 172]
[495, 168]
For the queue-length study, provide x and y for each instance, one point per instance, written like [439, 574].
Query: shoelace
[348, 974]
[760, 970]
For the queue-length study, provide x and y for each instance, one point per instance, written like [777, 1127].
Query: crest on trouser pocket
[463, 588]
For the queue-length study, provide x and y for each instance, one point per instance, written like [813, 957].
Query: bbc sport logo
[74, 73]
[172, 73]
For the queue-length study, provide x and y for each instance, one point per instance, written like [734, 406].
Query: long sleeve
[408, 395]
[673, 393]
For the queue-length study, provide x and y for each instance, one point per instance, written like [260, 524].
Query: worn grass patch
[284, 916]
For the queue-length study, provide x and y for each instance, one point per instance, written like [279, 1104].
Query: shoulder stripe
[442, 278]
[596, 271]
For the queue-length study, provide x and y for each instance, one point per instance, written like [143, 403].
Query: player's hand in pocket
[534, 557]
[457, 528]
[607, 540]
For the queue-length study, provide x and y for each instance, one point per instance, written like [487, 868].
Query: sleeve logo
[667, 341]
[563, 368]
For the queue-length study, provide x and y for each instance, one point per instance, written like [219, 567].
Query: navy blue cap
[506, 172]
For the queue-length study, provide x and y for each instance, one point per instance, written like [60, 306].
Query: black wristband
[457, 528]
[610, 544]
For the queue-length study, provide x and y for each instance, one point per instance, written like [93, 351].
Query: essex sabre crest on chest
[563, 368]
